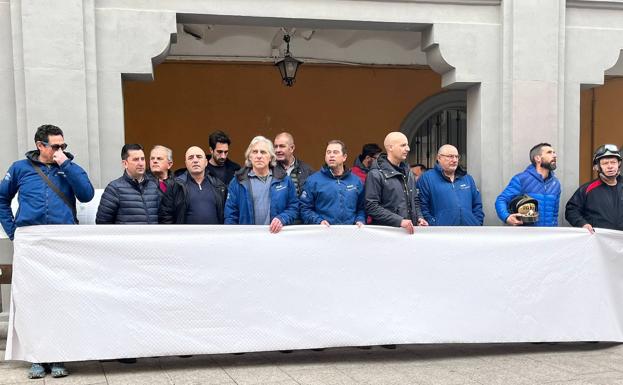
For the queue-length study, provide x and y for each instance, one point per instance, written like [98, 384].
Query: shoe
[186, 356]
[364, 347]
[389, 346]
[127, 360]
[58, 370]
[36, 371]
[286, 351]
[318, 349]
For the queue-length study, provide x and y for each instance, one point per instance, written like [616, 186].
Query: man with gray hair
[160, 163]
[295, 168]
[260, 193]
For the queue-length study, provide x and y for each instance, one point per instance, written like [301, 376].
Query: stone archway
[440, 119]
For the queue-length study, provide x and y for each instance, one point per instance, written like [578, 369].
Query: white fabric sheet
[98, 292]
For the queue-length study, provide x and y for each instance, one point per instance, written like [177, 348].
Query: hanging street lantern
[288, 65]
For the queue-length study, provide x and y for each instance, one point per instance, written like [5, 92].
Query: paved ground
[448, 364]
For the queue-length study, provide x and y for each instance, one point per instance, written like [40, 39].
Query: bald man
[391, 196]
[296, 169]
[448, 195]
[197, 196]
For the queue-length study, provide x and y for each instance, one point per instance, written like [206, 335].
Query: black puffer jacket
[175, 200]
[390, 195]
[125, 201]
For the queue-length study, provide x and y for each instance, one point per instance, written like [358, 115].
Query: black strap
[55, 189]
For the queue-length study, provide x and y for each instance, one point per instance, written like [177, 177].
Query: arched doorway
[440, 119]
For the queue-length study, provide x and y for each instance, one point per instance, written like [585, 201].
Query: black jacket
[175, 200]
[390, 195]
[125, 201]
[593, 204]
[229, 169]
[299, 174]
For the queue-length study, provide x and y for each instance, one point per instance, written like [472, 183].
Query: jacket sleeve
[379, 214]
[477, 203]
[501, 203]
[423, 190]
[108, 207]
[307, 201]
[574, 210]
[361, 206]
[232, 210]
[556, 206]
[166, 211]
[8, 189]
[78, 180]
[291, 213]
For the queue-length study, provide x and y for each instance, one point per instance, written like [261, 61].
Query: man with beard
[219, 164]
[599, 203]
[391, 196]
[539, 182]
[369, 153]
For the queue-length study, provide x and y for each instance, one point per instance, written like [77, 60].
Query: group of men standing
[276, 189]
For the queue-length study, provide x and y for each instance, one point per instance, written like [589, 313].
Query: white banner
[99, 292]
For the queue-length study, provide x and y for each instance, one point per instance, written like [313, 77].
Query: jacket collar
[359, 164]
[459, 173]
[383, 164]
[243, 174]
[34, 156]
[327, 171]
[531, 169]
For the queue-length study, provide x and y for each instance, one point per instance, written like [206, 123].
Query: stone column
[48, 51]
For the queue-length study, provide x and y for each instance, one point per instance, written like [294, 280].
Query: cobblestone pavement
[443, 364]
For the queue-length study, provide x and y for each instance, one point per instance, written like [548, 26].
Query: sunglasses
[607, 148]
[55, 147]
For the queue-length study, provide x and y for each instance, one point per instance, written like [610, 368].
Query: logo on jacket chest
[280, 187]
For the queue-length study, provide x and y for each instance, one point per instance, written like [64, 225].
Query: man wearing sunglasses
[599, 203]
[48, 183]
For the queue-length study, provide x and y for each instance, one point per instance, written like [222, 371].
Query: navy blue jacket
[545, 191]
[447, 203]
[38, 203]
[284, 203]
[125, 201]
[338, 200]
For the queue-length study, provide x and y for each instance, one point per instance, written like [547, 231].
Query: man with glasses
[599, 203]
[48, 183]
[537, 181]
[448, 195]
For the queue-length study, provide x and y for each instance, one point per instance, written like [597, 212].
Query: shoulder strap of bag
[55, 189]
